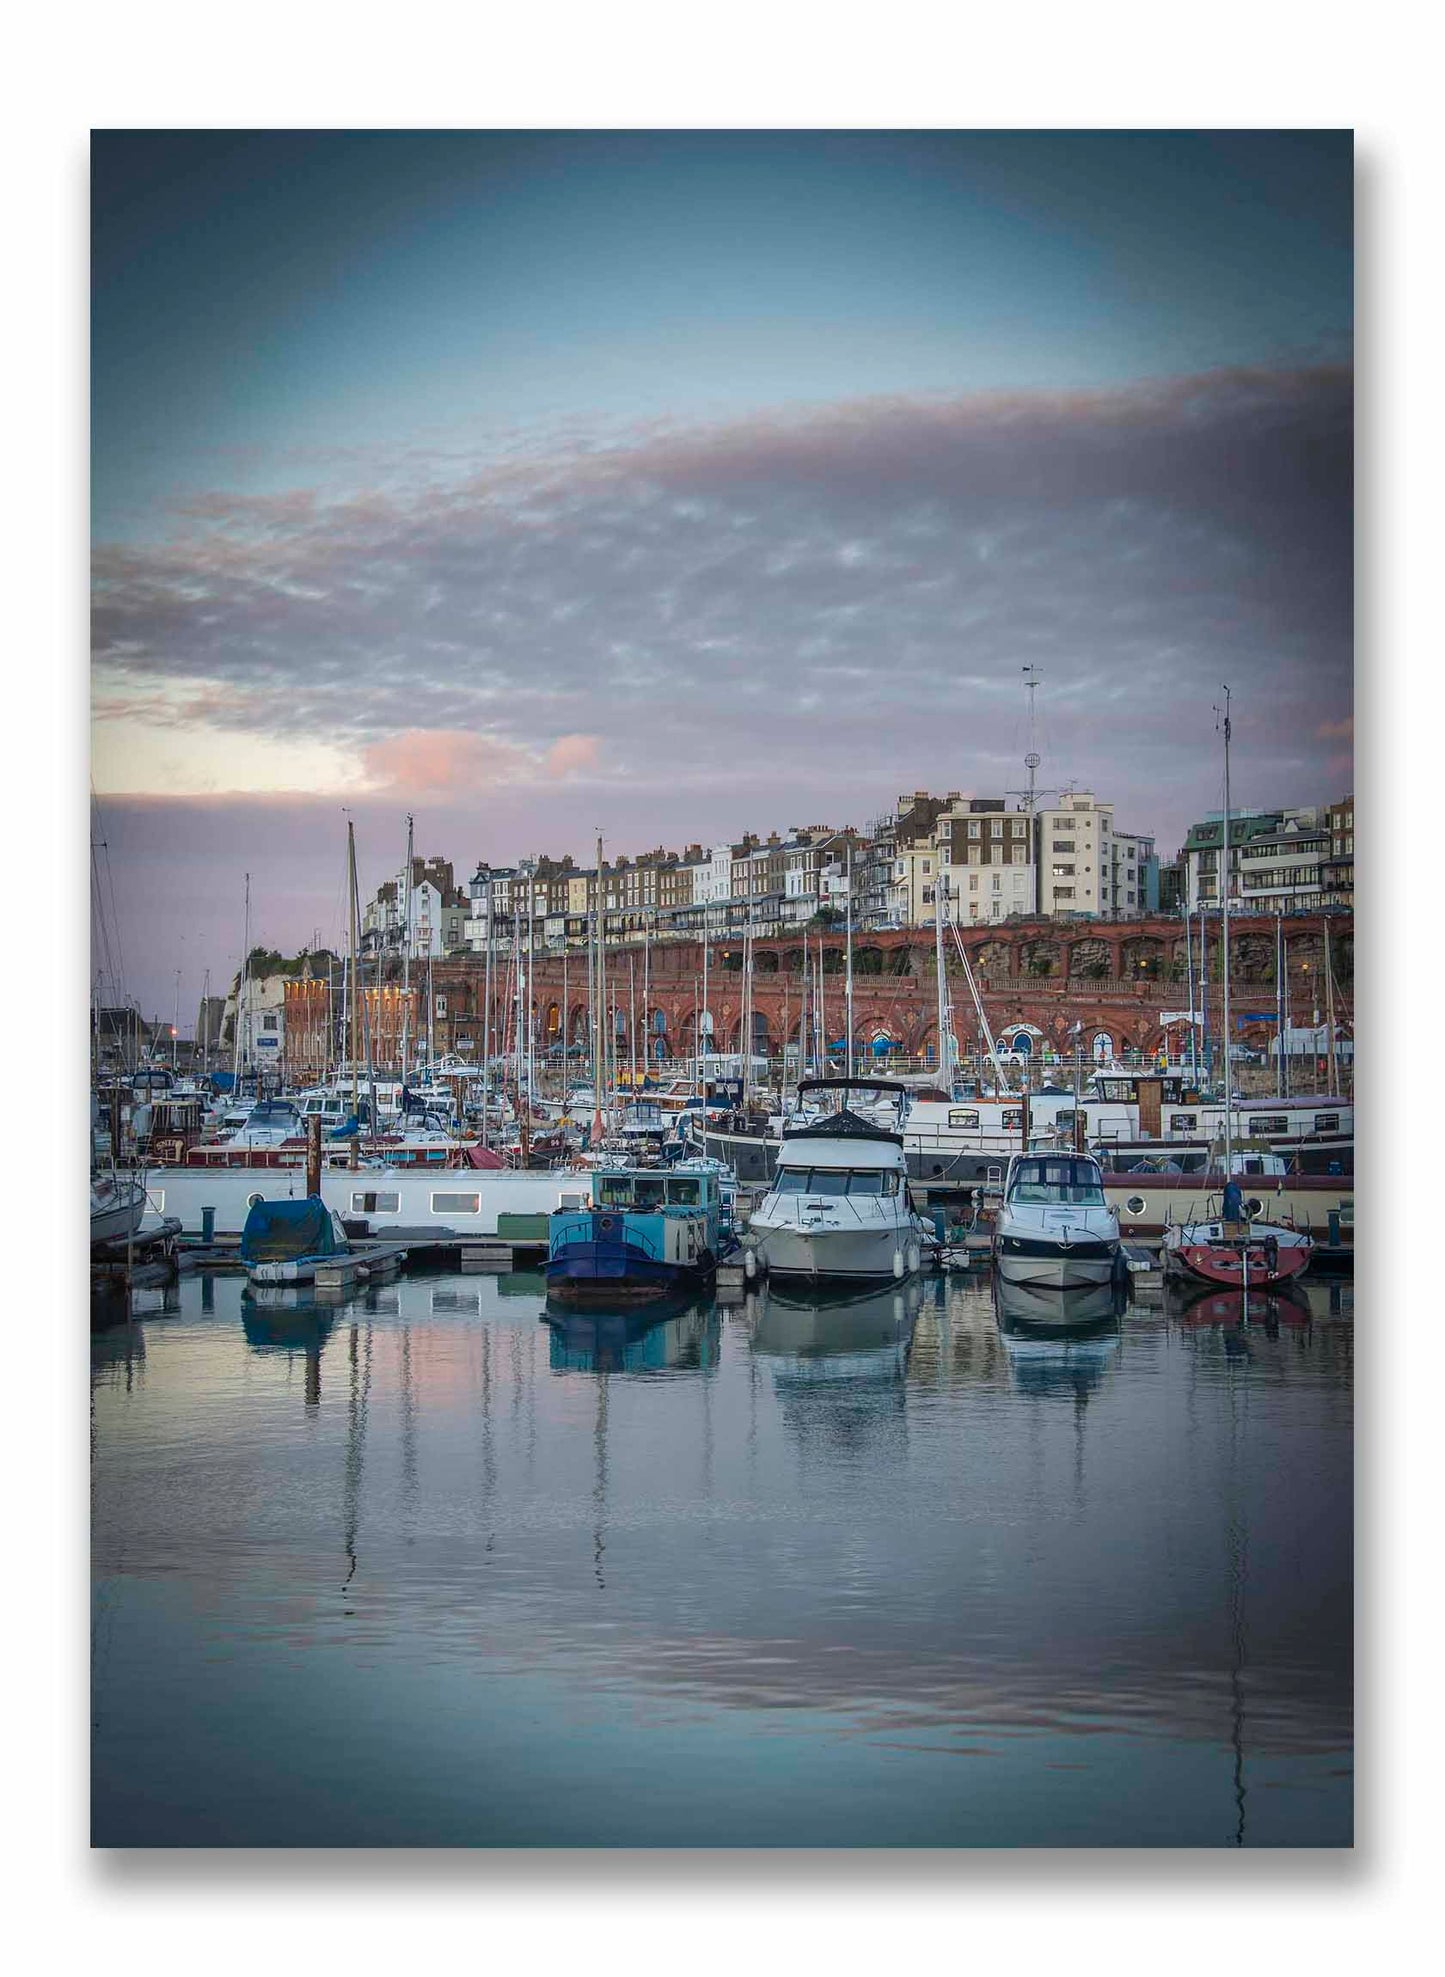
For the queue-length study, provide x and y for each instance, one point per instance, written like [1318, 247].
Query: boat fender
[915, 1256]
[750, 1263]
[898, 1262]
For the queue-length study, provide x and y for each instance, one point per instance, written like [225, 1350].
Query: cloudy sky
[675, 485]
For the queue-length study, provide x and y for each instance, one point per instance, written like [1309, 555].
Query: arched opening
[1142, 959]
[1040, 957]
[1089, 961]
[1252, 958]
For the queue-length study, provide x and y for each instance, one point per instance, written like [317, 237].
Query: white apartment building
[1283, 872]
[713, 882]
[1277, 860]
[1076, 856]
[262, 1019]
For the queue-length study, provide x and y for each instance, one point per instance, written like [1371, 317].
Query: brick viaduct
[1118, 978]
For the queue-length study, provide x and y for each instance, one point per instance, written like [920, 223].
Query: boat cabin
[647, 1191]
[1059, 1180]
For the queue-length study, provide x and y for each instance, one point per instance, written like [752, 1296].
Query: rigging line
[100, 932]
[110, 881]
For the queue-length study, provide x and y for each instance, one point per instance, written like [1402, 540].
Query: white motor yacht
[1055, 1227]
[839, 1205]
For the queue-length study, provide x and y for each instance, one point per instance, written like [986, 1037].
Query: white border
[745, 65]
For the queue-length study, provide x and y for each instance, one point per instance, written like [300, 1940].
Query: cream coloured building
[1076, 855]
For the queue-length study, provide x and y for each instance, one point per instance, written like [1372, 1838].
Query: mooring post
[313, 1154]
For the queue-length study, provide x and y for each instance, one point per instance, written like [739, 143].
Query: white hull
[843, 1253]
[1060, 1272]
[115, 1216]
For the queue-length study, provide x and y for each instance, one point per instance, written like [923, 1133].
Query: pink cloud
[572, 752]
[431, 760]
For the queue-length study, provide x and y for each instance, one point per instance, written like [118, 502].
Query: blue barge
[647, 1231]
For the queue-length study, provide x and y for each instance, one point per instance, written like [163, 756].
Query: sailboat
[1231, 1249]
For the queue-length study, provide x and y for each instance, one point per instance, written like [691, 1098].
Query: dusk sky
[674, 485]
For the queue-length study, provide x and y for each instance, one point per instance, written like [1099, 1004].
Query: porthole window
[254, 1200]
[1255, 1205]
[1135, 1204]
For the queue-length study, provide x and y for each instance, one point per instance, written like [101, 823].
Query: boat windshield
[640, 1191]
[1072, 1182]
[834, 1180]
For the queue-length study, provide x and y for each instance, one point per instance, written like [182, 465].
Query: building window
[1065, 844]
[1063, 892]
[268, 1022]
[1017, 827]
[973, 828]
[1063, 871]
[973, 881]
[456, 1204]
[995, 829]
[1018, 855]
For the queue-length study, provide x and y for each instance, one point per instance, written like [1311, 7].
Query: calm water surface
[420, 1569]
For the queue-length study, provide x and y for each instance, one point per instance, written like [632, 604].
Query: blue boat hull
[617, 1269]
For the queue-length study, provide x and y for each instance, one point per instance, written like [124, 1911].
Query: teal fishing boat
[647, 1231]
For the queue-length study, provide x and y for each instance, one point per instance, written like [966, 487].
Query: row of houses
[989, 859]
[990, 863]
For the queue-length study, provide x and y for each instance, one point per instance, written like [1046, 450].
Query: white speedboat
[1055, 1227]
[839, 1206]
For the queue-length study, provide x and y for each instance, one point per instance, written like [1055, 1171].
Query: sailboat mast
[351, 962]
[945, 1040]
[1330, 1013]
[240, 992]
[848, 981]
[632, 1016]
[1189, 977]
[704, 1020]
[822, 1014]
[1224, 923]
[487, 1022]
[599, 1004]
[406, 948]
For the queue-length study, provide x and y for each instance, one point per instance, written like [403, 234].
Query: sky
[669, 485]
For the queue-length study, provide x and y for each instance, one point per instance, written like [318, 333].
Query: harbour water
[422, 1569]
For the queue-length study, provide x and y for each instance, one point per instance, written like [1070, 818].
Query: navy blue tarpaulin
[280, 1231]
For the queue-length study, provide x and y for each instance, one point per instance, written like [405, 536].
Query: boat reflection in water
[291, 1320]
[850, 1335]
[839, 1366]
[1197, 1308]
[677, 1335]
[1059, 1341]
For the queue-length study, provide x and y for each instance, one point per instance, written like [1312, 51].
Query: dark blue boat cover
[280, 1231]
